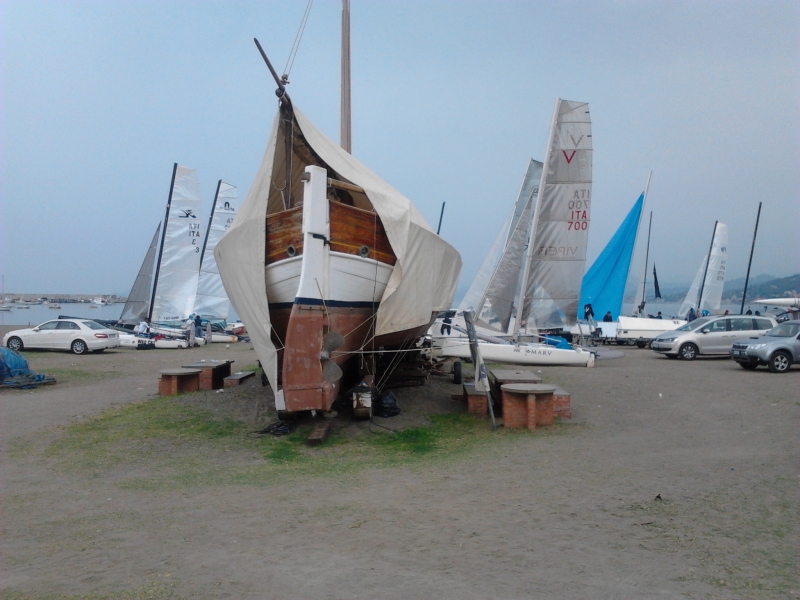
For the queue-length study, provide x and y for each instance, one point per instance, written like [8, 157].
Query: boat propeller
[330, 370]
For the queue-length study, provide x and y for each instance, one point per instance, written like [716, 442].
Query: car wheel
[15, 344]
[641, 344]
[778, 362]
[79, 347]
[688, 352]
[748, 365]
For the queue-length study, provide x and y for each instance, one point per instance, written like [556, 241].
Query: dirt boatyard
[673, 479]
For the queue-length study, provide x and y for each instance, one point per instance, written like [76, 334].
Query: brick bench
[477, 402]
[213, 372]
[237, 378]
[175, 381]
[527, 405]
[561, 404]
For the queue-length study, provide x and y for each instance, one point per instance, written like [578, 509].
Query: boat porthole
[364, 251]
[291, 250]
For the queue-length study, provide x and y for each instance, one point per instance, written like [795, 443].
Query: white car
[76, 335]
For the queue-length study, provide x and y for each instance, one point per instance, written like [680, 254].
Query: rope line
[299, 36]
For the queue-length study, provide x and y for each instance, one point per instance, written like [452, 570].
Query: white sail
[138, 304]
[211, 300]
[179, 259]
[497, 306]
[480, 282]
[551, 281]
[494, 307]
[714, 270]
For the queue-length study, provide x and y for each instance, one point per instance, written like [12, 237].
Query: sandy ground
[573, 515]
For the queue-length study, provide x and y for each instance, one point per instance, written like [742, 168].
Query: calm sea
[670, 309]
[39, 313]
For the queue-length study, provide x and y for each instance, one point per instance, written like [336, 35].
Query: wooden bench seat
[235, 379]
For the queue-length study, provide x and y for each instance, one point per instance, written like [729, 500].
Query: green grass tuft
[169, 442]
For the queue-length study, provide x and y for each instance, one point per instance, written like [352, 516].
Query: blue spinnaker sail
[603, 284]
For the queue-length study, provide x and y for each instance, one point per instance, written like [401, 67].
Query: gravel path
[675, 479]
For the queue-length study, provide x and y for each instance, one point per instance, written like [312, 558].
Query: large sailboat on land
[328, 265]
[535, 284]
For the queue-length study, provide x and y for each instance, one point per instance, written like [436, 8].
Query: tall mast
[210, 220]
[750, 262]
[708, 261]
[649, 227]
[345, 137]
[534, 221]
[161, 246]
[646, 258]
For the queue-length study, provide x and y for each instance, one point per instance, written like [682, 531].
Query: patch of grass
[172, 442]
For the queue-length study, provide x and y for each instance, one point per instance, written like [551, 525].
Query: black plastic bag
[386, 406]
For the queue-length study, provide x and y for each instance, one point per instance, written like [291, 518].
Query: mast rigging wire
[296, 46]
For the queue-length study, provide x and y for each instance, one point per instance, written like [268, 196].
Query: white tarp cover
[558, 248]
[715, 275]
[138, 304]
[211, 300]
[422, 283]
[176, 285]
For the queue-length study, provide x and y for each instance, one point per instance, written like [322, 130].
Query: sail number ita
[578, 215]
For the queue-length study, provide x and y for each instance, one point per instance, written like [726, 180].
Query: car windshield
[788, 329]
[692, 325]
[93, 325]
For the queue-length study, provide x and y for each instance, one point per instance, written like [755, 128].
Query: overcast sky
[450, 101]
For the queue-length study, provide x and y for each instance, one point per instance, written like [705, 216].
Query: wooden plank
[319, 434]
[352, 228]
[284, 229]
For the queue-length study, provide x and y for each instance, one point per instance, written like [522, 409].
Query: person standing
[691, 315]
[190, 332]
[208, 331]
[607, 318]
[198, 326]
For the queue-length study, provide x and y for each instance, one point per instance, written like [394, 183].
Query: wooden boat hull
[327, 267]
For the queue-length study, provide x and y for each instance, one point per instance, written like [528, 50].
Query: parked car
[779, 348]
[710, 335]
[76, 335]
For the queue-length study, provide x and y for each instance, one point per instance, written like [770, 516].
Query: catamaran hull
[784, 302]
[522, 354]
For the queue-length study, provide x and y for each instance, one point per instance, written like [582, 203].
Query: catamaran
[163, 293]
[540, 269]
[211, 301]
[705, 294]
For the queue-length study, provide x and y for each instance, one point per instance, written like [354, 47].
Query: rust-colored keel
[303, 385]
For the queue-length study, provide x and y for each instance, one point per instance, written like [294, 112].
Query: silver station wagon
[710, 335]
[778, 349]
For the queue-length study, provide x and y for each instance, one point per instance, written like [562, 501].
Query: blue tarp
[12, 364]
[603, 285]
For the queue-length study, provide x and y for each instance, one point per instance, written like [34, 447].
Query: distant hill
[774, 288]
[737, 285]
[759, 286]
